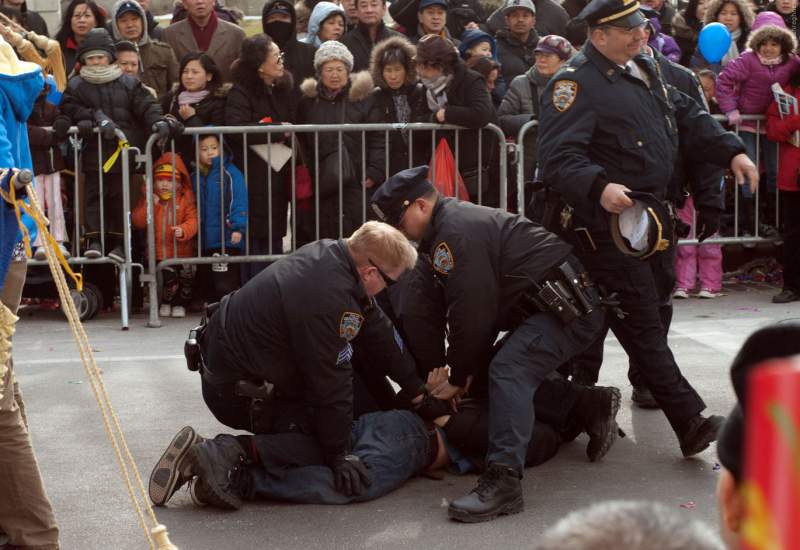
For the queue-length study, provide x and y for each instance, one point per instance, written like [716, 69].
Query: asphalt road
[154, 395]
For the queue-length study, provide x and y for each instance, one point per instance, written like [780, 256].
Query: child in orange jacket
[175, 219]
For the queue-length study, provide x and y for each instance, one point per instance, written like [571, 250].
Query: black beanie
[97, 39]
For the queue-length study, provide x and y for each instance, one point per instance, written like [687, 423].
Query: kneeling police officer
[275, 357]
[500, 272]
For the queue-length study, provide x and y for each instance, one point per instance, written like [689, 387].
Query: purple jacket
[744, 83]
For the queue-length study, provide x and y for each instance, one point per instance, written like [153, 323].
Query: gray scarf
[435, 91]
[100, 74]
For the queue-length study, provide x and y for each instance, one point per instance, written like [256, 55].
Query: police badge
[564, 94]
[349, 325]
[443, 259]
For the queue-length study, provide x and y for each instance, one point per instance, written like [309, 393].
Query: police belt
[566, 291]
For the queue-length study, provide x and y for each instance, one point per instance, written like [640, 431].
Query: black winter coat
[247, 106]
[401, 142]
[298, 57]
[125, 101]
[45, 152]
[359, 43]
[469, 105]
[515, 57]
[351, 106]
[297, 324]
[208, 112]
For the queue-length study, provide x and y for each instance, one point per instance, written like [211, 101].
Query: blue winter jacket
[233, 197]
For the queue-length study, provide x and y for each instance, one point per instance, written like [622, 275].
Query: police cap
[398, 192]
[643, 229]
[616, 13]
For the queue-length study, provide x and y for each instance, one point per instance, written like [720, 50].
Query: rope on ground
[130, 472]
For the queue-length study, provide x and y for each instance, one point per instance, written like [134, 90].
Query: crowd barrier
[150, 267]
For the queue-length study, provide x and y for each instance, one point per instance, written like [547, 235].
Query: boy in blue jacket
[222, 206]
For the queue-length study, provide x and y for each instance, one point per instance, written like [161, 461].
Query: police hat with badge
[614, 13]
[391, 199]
[643, 229]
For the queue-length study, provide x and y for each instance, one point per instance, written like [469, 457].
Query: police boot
[644, 398]
[596, 410]
[172, 469]
[698, 433]
[217, 463]
[499, 492]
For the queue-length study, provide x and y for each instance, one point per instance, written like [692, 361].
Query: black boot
[498, 492]
[698, 433]
[216, 462]
[644, 398]
[596, 411]
[172, 470]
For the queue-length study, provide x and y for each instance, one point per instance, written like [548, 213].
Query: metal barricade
[75, 249]
[741, 234]
[344, 134]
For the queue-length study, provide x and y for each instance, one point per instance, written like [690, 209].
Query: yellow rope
[121, 144]
[110, 420]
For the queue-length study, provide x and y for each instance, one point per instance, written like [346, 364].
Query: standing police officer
[276, 358]
[611, 124]
[500, 272]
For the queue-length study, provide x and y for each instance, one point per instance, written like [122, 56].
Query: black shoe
[93, 251]
[215, 462]
[499, 492]
[172, 469]
[698, 434]
[117, 254]
[787, 295]
[596, 410]
[643, 398]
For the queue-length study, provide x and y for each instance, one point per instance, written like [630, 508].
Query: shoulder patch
[564, 94]
[443, 261]
[350, 325]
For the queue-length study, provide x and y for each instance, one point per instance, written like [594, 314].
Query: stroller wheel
[88, 302]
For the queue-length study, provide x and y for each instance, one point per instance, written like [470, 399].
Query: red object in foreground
[446, 173]
[772, 457]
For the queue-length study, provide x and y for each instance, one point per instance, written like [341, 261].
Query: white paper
[274, 154]
[634, 224]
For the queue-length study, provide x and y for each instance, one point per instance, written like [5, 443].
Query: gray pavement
[154, 395]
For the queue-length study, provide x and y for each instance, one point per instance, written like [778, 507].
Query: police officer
[499, 272]
[703, 181]
[611, 124]
[292, 332]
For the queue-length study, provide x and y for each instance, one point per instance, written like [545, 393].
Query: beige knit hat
[330, 51]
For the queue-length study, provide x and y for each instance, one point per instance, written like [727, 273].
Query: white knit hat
[330, 51]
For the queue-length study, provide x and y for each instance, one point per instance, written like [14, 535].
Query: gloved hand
[176, 127]
[734, 118]
[107, 129]
[350, 474]
[85, 128]
[431, 408]
[707, 223]
[161, 127]
[61, 128]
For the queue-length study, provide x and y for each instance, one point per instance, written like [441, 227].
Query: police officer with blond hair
[610, 124]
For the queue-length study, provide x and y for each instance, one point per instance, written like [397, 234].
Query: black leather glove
[61, 128]
[350, 475]
[175, 126]
[85, 128]
[707, 223]
[162, 129]
[107, 129]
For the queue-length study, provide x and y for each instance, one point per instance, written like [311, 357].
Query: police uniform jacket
[601, 124]
[297, 325]
[486, 258]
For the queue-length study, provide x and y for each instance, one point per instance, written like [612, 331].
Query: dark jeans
[536, 348]
[641, 333]
[790, 205]
[394, 445]
[112, 214]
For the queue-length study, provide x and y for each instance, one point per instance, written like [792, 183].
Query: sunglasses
[388, 281]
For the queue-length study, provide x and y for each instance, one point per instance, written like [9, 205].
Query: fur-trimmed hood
[359, 88]
[715, 6]
[376, 59]
[781, 35]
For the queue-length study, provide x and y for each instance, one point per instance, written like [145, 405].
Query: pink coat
[744, 83]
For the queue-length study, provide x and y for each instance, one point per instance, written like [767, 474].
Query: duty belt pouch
[262, 399]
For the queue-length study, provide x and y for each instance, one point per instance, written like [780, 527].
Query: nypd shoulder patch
[564, 94]
[443, 261]
[350, 325]
[345, 355]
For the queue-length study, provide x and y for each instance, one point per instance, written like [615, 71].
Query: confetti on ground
[75, 382]
[716, 467]
[754, 309]
[688, 505]
[444, 503]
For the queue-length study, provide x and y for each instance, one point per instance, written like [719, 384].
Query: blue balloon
[714, 42]
[53, 96]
